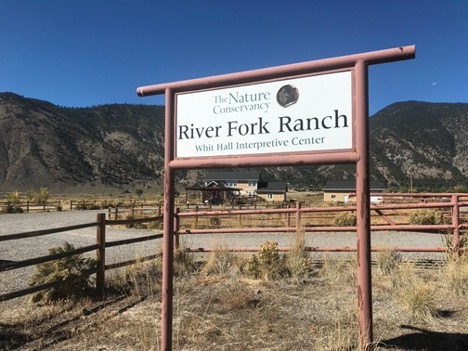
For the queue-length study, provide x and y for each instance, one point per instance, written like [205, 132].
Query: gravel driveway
[17, 250]
[34, 247]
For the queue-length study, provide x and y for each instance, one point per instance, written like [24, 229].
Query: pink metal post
[359, 155]
[456, 224]
[364, 293]
[168, 228]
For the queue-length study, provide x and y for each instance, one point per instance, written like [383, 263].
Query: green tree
[43, 195]
[30, 194]
[13, 197]
[460, 189]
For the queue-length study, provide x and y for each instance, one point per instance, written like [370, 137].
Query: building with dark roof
[245, 182]
[223, 187]
[272, 191]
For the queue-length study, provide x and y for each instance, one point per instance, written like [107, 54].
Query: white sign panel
[311, 113]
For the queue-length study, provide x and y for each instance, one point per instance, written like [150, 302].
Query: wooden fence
[291, 219]
[100, 248]
[59, 205]
[30, 206]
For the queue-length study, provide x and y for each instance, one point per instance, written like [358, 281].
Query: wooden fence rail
[59, 205]
[30, 206]
[99, 247]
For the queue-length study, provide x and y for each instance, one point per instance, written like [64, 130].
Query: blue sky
[91, 52]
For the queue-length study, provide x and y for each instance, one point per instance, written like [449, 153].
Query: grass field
[232, 303]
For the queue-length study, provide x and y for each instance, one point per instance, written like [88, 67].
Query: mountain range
[120, 147]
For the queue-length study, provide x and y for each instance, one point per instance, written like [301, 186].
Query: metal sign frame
[359, 155]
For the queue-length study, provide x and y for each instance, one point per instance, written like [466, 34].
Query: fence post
[27, 206]
[176, 228]
[101, 252]
[456, 224]
[71, 205]
[298, 216]
[240, 217]
[196, 218]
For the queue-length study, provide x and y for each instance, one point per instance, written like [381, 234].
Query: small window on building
[270, 196]
[333, 196]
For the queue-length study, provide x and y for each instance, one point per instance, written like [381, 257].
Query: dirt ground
[224, 310]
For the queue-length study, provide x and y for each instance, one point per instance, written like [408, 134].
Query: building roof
[213, 186]
[233, 175]
[350, 185]
[272, 187]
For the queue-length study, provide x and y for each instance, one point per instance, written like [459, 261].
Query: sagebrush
[70, 270]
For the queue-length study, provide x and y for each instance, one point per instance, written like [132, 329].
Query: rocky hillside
[120, 147]
[60, 148]
[426, 141]
[422, 143]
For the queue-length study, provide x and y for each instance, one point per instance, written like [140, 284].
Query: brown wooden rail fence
[134, 211]
[292, 219]
[32, 206]
[100, 248]
[59, 205]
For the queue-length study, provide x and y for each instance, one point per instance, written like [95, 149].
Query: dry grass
[388, 261]
[217, 308]
[298, 262]
[236, 221]
[418, 296]
[221, 261]
[455, 273]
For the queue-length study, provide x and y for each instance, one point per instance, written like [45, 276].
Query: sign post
[308, 113]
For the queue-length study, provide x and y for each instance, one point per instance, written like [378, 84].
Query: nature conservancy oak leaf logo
[287, 95]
